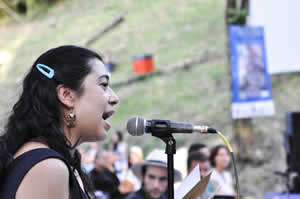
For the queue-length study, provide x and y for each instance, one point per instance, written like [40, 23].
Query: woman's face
[222, 158]
[134, 158]
[95, 105]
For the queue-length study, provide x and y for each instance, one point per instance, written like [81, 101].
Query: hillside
[172, 32]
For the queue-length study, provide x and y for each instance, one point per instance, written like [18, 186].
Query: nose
[113, 98]
[156, 183]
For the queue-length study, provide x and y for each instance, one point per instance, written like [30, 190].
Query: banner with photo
[251, 86]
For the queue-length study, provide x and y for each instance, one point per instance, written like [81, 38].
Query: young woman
[66, 100]
[222, 179]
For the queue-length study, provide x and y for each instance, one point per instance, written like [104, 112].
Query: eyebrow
[104, 76]
[158, 177]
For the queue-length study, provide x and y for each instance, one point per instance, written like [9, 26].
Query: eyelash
[104, 85]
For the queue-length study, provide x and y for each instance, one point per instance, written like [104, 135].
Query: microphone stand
[166, 136]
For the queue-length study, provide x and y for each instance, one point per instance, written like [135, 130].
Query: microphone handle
[162, 126]
[182, 128]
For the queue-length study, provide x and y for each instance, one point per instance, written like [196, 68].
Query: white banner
[280, 19]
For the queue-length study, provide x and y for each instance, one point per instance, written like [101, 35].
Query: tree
[10, 11]
[236, 13]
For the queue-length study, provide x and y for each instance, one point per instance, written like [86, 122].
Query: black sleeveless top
[23, 163]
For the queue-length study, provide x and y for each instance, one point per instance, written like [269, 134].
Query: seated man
[198, 158]
[153, 174]
[103, 175]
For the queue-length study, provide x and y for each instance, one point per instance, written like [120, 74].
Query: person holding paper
[198, 158]
[153, 174]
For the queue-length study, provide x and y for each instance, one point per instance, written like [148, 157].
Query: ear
[65, 95]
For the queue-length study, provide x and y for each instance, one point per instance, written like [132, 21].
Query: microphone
[138, 126]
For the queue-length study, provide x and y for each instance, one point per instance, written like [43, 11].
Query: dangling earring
[70, 119]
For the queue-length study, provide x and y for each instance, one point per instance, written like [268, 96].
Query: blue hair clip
[42, 67]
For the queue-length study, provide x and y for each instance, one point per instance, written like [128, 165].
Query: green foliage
[239, 16]
[170, 32]
[3, 13]
[27, 7]
[35, 7]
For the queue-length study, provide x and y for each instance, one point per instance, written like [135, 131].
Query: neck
[111, 168]
[219, 169]
[73, 140]
[100, 168]
[147, 195]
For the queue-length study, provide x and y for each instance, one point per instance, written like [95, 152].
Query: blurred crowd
[120, 171]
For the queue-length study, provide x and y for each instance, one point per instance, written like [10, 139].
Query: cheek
[106, 96]
[227, 159]
[163, 186]
[97, 98]
[95, 106]
[92, 101]
[90, 115]
[219, 160]
[147, 183]
[134, 158]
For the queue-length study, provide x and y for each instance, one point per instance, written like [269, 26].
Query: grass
[169, 34]
[170, 31]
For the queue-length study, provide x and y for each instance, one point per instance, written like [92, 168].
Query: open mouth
[107, 115]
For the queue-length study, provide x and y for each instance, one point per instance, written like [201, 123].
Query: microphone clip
[159, 127]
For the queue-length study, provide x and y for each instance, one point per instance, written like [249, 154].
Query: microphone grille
[136, 126]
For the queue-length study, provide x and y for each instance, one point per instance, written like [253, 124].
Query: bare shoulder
[52, 166]
[47, 179]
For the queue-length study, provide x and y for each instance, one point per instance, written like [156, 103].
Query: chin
[95, 138]
[101, 136]
[155, 196]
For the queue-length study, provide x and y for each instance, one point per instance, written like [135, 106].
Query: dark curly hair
[37, 116]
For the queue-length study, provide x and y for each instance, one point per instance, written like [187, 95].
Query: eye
[104, 85]
[151, 177]
[162, 179]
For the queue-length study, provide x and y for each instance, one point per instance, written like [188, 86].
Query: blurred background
[168, 60]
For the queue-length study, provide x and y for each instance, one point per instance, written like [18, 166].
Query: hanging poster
[251, 86]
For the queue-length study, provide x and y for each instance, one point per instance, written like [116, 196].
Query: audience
[115, 176]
